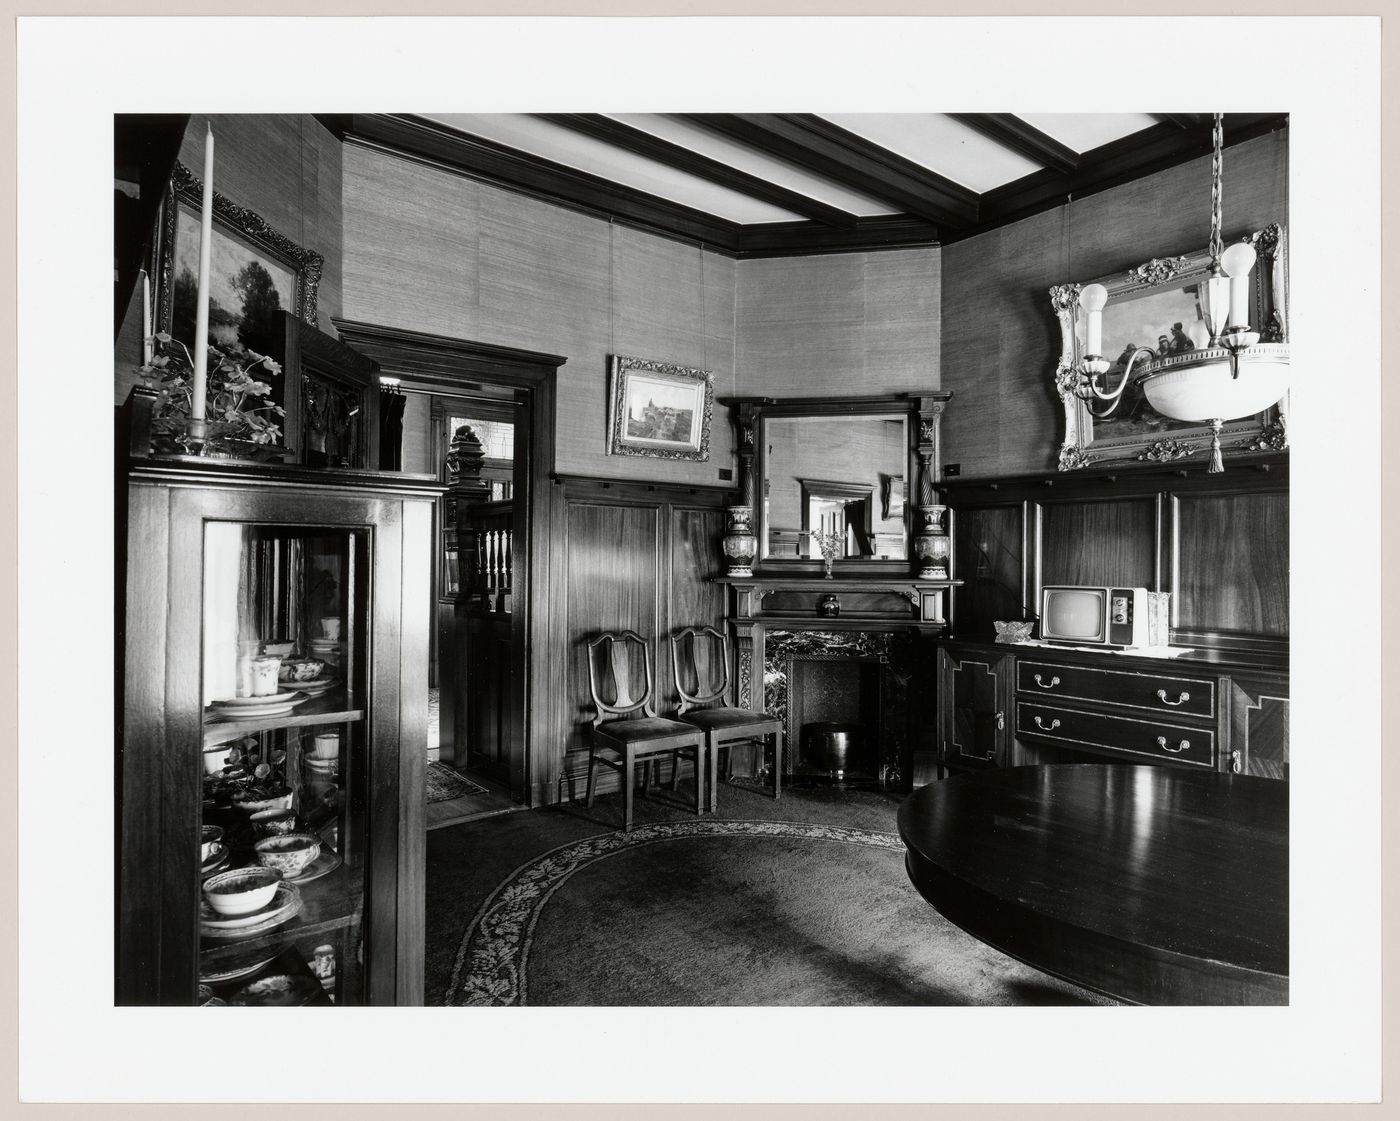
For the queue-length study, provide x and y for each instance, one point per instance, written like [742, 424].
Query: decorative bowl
[215, 758]
[278, 649]
[209, 837]
[289, 854]
[274, 823]
[242, 891]
[301, 669]
[251, 803]
[1013, 632]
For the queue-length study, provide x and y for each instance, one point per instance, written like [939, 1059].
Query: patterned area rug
[712, 912]
[445, 784]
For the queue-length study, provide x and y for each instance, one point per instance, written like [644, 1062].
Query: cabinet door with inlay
[974, 693]
[1259, 724]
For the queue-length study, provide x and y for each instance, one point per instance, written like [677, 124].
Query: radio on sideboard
[1076, 615]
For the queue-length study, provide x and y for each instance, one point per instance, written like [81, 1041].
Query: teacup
[266, 671]
[327, 745]
[273, 823]
[330, 629]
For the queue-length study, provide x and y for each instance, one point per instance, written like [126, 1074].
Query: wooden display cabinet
[217, 554]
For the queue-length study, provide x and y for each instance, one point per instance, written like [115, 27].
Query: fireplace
[843, 700]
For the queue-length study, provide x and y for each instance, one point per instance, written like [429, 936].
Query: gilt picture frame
[659, 410]
[1155, 304]
[256, 272]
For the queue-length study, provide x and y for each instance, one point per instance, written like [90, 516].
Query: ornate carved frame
[923, 465]
[618, 442]
[187, 187]
[1267, 431]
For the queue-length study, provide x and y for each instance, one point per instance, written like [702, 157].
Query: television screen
[1075, 614]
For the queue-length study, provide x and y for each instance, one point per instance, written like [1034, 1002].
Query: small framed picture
[659, 410]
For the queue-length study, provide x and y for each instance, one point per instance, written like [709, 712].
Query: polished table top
[1152, 884]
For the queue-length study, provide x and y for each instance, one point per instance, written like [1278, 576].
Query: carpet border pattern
[490, 966]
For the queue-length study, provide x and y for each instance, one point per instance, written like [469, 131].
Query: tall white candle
[146, 345]
[201, 315]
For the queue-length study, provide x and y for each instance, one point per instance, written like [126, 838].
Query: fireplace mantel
[895, 604]
[872, 603]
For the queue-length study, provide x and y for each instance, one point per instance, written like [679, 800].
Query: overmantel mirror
[835, 483]
[1158, 305]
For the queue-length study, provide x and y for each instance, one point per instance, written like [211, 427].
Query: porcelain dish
[241, 891]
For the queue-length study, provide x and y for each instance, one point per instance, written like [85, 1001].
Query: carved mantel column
[740, 545]
[931, 539]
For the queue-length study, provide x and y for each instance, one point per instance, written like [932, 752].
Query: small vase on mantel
[826, 567]
[740, 546]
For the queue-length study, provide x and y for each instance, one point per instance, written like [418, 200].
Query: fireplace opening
[834, 718]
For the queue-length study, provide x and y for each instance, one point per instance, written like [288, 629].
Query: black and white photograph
[906, 642]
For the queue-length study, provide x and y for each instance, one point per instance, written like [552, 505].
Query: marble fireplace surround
[892, 652]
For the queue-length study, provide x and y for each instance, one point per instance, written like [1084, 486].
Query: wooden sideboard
[1014, 704]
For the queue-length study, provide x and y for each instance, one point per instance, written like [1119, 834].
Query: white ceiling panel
[939, 144]
[1083, 131]
[564, 146]
[736, 155]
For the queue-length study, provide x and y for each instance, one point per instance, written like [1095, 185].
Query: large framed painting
[659, 410]
[1158, 305]
[255, 273]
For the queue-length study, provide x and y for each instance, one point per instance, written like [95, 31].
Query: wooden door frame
[457, 367]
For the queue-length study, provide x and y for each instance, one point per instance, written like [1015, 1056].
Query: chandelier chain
[1216, 216]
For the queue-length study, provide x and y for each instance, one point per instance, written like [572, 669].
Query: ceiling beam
[833, 153]
[1120, 161]
[803, 239]
[440, 145]
[1016, 135]
[641, 143]
[1180, 120]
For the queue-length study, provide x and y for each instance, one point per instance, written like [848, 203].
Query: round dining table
[1152, 885]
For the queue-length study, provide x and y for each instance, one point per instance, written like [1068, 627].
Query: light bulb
[1237, 261]
[1092, 298]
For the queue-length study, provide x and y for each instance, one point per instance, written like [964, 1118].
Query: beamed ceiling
[785, 184]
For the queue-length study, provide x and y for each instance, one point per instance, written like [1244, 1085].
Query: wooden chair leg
[699, 779]
[713, 753]
[675, 769]
[777, 765]
[591, 765]
[628, 780]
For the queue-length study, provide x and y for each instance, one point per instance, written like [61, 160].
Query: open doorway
[491, 640]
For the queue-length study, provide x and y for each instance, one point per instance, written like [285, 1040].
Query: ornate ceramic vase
[826, 567]
[740, 545]
[931, 544]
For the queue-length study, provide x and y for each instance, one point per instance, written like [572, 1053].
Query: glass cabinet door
[284, 823]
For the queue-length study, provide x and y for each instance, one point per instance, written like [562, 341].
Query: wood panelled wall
[430, 250]
[1219, 543]
[284, 168]
[1000, 337]
[642, 558]
[849, 322]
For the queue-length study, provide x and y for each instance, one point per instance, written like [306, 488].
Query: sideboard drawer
[1167, 694]
[1097, 731]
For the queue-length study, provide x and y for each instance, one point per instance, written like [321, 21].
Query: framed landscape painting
[255, 273]
[659, 410]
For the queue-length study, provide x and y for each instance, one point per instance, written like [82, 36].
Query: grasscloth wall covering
[286, 169]
[1000, 338]
[432, 251]
[846, 323]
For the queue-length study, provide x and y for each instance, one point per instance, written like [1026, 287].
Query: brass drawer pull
[1053, 682]
[1181, 700]
[1165, 746]
[1053, 724]
[1001, 722]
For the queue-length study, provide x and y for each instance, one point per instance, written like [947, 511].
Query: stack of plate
[317, 686]
[277, 704]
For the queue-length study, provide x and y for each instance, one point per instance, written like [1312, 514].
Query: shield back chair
[699, 656]
[626, 729]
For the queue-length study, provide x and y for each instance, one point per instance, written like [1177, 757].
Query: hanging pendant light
[1233, 376]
